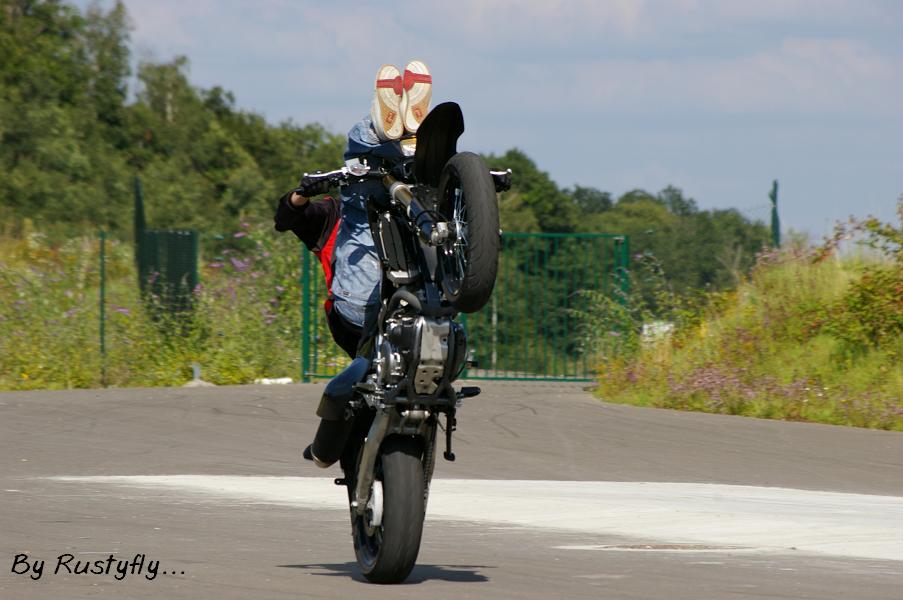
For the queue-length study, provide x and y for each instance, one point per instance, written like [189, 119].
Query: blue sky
[717, 97]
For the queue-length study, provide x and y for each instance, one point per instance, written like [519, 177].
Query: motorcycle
[438, 241]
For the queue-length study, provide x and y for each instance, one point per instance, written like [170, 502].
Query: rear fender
[437, 141]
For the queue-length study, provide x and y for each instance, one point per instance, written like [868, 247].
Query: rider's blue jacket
[338, 232]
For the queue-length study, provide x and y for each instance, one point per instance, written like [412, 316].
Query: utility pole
[775, 221]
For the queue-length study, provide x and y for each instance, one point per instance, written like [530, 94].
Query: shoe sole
[417, 94]
[386, 108]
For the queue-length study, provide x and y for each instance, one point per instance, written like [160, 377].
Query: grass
[245, 323]
[807, 337]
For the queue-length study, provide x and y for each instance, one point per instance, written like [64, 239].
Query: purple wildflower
[238, 264]
[240, 234]
[122, 310]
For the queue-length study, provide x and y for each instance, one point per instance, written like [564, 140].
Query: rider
[337, 231]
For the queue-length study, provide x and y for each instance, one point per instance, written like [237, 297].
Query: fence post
[625, 266]
[103, 293]
[775, 221]
[305, 315]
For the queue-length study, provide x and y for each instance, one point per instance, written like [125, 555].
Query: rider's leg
[334, 428]
[336, 417]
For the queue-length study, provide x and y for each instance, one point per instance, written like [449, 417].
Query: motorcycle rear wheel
[386, 553]
[469, 262]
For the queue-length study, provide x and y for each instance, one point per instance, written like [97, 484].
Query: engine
[420, 351]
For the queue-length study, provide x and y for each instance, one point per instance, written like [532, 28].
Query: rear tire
[469, 264]
[388, 552]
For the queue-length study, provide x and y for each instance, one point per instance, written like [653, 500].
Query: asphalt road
[529, 510]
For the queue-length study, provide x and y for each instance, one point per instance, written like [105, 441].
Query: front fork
[388, 421]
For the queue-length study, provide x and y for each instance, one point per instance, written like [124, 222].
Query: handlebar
[312, 184]
[501, 179]
[429, 230]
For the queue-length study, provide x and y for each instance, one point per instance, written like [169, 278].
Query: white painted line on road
[679, 548]
[774, 519]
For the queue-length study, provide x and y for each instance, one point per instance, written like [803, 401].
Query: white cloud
[537, 25]
[544, 55]
[168, 23]
[800, 76]
[538, 20]
[813, 11]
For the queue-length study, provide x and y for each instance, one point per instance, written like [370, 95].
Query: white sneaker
[418, 89]
[386, 108]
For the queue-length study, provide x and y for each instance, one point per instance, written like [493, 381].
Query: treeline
[695, 249]
[72, 143]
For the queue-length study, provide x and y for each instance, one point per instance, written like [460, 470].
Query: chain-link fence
[531, 328]
[94, 312]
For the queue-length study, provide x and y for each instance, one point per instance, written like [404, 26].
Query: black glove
[312, 186]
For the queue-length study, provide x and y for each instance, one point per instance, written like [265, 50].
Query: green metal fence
[168, 266]
[167, 260]
[531, 329]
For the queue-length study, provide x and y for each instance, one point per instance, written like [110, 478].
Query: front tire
[469, 263]
[386, 553]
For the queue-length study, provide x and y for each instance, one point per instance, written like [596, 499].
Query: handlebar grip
[314, 184]
[502, 180]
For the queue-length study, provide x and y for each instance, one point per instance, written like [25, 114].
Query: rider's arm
[311, 220]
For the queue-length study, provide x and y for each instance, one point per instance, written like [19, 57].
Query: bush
[809, 336]
[245, 323]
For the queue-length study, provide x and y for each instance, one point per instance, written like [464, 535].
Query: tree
[105, 39]
[673, 198]
[589, 200]
[551, 207]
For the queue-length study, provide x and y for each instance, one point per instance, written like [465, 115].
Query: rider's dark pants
[345, 334]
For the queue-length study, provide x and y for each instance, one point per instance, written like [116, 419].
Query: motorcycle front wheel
[469, 261]
[387, 536]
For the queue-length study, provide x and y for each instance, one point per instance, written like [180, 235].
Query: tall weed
[809, 335]
[244, 325]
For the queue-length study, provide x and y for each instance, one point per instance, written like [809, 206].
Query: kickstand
[450, 425]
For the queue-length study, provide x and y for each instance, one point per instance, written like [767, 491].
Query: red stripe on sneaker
[410, 78]
[395, 84]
